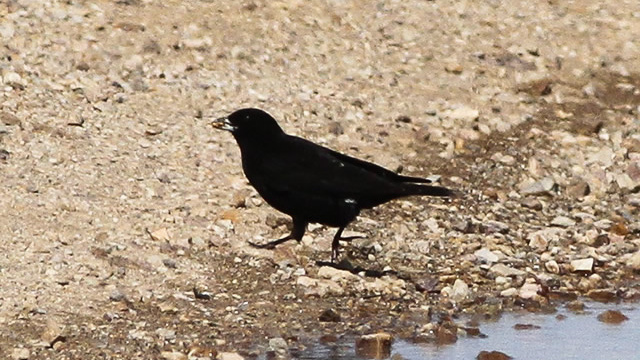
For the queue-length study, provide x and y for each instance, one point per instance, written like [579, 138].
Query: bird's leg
[299, 227]
[335, 244]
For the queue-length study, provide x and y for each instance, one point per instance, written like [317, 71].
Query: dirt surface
[124, 216]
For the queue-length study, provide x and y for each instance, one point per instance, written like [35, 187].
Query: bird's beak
[223, 123]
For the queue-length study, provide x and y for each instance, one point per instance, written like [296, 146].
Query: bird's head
[248, 123]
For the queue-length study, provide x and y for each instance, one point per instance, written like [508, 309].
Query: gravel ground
[124, 216]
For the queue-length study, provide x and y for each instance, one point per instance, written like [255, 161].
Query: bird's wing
[302, 166]
[376, 169]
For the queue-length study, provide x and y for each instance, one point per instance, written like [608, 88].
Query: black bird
[309, 182]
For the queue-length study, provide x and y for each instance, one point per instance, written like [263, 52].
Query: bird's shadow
[346, 265]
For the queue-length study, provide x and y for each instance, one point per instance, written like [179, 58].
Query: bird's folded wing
[310, 168]
[376, 169]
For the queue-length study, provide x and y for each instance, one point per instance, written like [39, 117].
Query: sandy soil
[124, 216]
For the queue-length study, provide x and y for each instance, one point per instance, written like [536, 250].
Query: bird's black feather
[309, 182]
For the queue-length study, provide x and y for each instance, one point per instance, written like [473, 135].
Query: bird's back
[292, 165]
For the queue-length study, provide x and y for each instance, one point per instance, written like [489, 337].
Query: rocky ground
[124, 216]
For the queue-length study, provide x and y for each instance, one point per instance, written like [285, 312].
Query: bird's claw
[334, 256]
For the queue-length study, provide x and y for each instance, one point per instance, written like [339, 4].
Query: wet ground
[521, 335]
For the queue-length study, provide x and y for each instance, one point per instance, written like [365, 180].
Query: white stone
[328, 272]
[552, 267]
[529, 290]
[537, 188]
[6, 32]
[504, 270]
[484, 255]
[459, 291]
[582, 264]
[462, 113]
[230, 356]
[510, 292]
[562, 221]
[634, 261]
[20, 354]
[173, 355]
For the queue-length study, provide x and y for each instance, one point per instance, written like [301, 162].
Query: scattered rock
[634, 261]
[161, 234]
[278, 345]
[9, 119]
[14, 80]
[539, 240]
[463, 113]
[336, 128]
[4, 155]
[492, 355]
[529, 290]
[453, 68]
[526, 327]
[562, 221]
[612, 317]
[445, 336]
[20, 354]
[166, 170]
[576, 306]
[505, 159]
[602, 295]
[504, 270]
[239, 200]
[578, 189]
[117, 295]
[329, 315]
[604, 156]
[166, 334]
[619, 228]
[197, 43]
[53, 333]
[492, 226]
[229, 356]
[426, 283]
[625, 182]
[542, 187]
[7, 30]
[486, 256]
[403, 119]
[173, 355]
[328, 272]
[531, 203]
[374, 346]
[319, 287]
[460, 291]
[582, 264]
[540, 87]
[197, 352]
[552, 267]
[510, 292]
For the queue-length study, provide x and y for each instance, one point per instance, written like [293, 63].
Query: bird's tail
[429, 190]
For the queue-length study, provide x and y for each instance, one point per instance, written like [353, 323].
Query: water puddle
[572, 336]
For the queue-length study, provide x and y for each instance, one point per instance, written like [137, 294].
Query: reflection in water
[574, 337]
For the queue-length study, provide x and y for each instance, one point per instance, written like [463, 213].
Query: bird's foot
[335, 246]
[272, 244]
[334, 255]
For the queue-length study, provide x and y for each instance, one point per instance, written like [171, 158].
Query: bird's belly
[313, 209]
